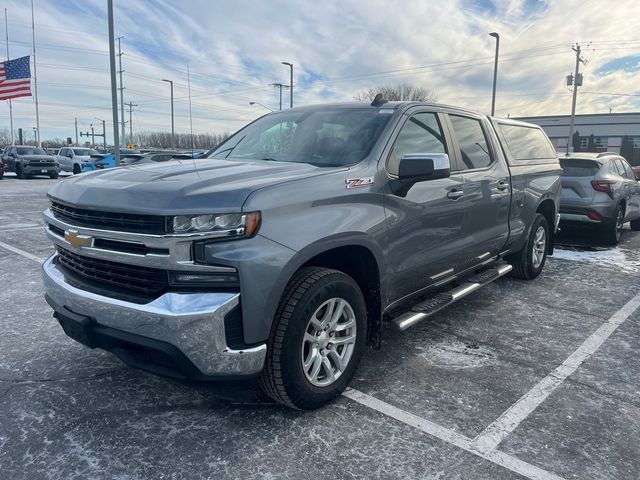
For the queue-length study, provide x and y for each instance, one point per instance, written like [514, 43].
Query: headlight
[227, 225]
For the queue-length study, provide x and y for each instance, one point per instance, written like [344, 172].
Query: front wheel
[19, 172]
[528, 262]
[53, 175]
[76, 169]
[317, 339]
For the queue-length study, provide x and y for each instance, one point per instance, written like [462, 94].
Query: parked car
[280, 256]
[153, 157]
[636, 171]
[1, 168]
[109, 160]
[599, 190]
[28, 161]
[76, 159]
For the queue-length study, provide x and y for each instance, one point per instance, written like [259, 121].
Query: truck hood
[179, 186]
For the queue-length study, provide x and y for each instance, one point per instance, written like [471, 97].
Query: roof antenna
[378, 101]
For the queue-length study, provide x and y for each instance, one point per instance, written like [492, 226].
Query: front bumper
[40, 170]
[178, 334]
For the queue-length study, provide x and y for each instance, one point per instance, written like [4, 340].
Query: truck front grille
[42, 163]
[121, 222]
[130, 277]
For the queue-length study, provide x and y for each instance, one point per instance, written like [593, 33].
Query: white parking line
[485, 444]
[6, 246]
[495, 433]
[449, 436]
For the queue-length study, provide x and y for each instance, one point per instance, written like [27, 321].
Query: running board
[435, 304]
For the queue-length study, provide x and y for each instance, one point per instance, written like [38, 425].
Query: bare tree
[403, 91]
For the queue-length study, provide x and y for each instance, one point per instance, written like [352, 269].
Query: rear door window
[579, 168]
[474, 150]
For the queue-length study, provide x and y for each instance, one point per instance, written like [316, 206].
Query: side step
[435, 304]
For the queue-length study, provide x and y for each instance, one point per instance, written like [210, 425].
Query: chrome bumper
[192, 322]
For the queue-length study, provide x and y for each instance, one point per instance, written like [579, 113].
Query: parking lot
[521, 380]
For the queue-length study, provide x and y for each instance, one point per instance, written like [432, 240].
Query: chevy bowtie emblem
[76, 240]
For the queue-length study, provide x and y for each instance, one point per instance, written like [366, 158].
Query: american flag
[15, 78]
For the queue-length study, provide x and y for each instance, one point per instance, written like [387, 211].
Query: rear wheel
[528, 262]
[613, 230]
[76, 169]
[317, 339]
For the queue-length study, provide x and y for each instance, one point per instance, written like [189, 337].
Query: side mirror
[418, 167]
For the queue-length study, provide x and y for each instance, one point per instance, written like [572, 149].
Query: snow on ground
[610, 257]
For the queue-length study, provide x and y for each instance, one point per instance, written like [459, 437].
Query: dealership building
[599, 132]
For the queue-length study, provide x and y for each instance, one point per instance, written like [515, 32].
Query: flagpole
[35, 75]
[6, 29]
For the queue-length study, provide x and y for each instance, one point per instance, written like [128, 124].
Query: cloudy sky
[234, 51]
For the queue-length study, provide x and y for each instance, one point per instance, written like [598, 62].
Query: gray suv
[600, 190]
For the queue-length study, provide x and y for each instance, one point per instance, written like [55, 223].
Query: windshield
[30, 151]
[324, 137]
[85, 151]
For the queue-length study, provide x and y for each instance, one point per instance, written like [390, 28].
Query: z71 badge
[359, 182]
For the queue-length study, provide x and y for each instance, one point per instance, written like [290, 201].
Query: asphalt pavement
[534, 379]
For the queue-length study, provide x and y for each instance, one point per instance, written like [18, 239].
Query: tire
[635, 224]
[53, 175]
[612, 231]
[19, 173]
[529, 262]
[76, 169]
[297, 337]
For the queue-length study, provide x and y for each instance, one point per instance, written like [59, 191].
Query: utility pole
[131, 105]
[93, 136]
[76, 122]
[114, 86]
[280, 86]
[173, 132]
[290, 65]
[104, 134]
[495, 72]
[577, 82]
[121, 90]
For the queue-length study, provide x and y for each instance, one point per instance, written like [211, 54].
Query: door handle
[502, 185]
[455, 194]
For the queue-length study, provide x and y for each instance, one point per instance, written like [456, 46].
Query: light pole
[173, 144]
[495, 72]
[104, 134]
[35, 135]
[262, 105]
[290, 83]
[93, 141]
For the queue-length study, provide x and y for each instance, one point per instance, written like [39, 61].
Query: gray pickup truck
[281, 255]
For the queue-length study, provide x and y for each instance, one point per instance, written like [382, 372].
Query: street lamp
[495, 72]
[173, 143]
[262, 105]
[35, 134]
[290, 83]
